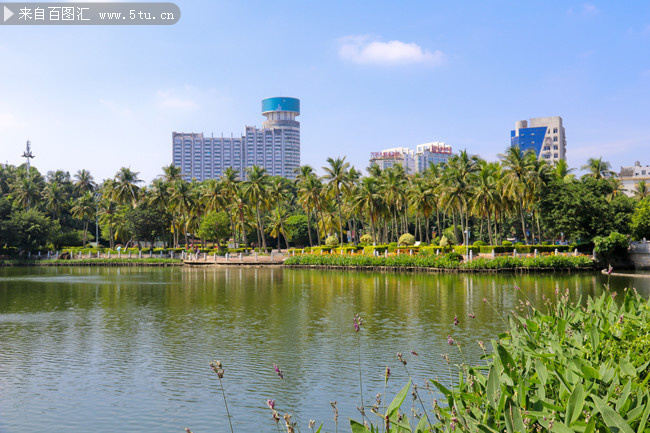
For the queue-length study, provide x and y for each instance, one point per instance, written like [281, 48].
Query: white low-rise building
[630, 176]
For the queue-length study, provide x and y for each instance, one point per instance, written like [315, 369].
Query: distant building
[436, 152]
[275, 147]
[397, 156]
[630, 176]
[545, 136]
[426, 154]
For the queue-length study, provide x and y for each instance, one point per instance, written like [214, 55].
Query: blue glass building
[545, 137]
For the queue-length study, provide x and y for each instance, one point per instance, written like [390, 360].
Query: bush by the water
[575, 369]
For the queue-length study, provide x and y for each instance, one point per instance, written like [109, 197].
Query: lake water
[127, 349]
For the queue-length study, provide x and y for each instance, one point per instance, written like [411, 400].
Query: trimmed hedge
[447, 261]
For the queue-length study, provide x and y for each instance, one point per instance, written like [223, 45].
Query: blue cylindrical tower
[282, 136]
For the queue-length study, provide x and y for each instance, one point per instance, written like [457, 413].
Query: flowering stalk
[358, 321]
[217, 367]
[289, 424]
[416, 394]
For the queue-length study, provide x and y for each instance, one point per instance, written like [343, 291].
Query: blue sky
[370, 75]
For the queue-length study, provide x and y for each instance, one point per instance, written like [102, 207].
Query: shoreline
[416, 269]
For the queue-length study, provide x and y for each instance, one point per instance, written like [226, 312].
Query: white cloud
[9, 121]
[169, 100]
[369, 50]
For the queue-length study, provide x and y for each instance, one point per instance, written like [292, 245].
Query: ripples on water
[127, 349]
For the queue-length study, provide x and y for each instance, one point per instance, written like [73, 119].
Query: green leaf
[422, 425]
[613, 420]
[398, 400]
[559, 427]
[512, 412]
[542, 373]
[509, 364]
[624, 396]
[445, 391]
[357, 427]
[493, 387]
[644, 418]
[319, 428]
[627, 367]
[575, 404]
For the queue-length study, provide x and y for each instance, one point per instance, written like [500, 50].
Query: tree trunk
[309, 229]
[338, 201]
[453, 221]
[261, 227]
[523, 221]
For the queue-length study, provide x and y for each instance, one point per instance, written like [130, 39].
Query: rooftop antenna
[27, 154]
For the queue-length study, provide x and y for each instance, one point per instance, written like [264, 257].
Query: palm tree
[278, 193]
[562, 172]
[126, 189]
[7, 174]
[109, 216]
[25, 191]
[368, 199]
[84, 210]
[229, 185]
[641, 190]
[84, 182]
[242, 209]
[310, 196]
[484, 194]
[256, 188]
[597, 168]
[55, 198]
[180, 197]
[458, 176]
[303, 174]
[393, 184]
[276, 227]
[172, 173]
[336, 175]
[519, 174]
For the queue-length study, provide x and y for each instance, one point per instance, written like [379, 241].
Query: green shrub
[331, 241]
[444, 242]
[406, 239]
[370, 249]
[575, 368]
[611, 247]
[366, 239]
[479, 244]
[506, 243]
[460, 249]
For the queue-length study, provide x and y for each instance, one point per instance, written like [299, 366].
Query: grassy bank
[450, 261]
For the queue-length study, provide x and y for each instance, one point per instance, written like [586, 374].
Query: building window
[554, 130]
[555, 155]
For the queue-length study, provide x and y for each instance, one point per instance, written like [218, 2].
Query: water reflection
[113, 349]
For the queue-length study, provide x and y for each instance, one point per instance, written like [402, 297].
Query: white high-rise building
[436, 152]
[276, 146]
[397, 156]
[545, 136]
